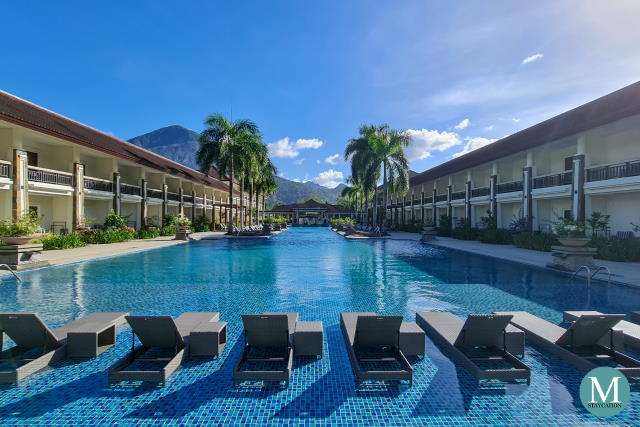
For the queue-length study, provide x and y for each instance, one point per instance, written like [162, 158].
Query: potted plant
[429, 225]
[571, 233]
[183, 223]
[20, 232]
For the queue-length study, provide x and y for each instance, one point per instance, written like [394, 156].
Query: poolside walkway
[627, 273]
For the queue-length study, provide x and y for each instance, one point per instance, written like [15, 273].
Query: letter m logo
[596, 388]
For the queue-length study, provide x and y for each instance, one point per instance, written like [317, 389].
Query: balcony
[407, 203]
[618, 170]
[154, 194]
[130, 190]
[480, 192]
[48, 176]
[509, 187]
[199, 201]
[428, 200]
[173, 197]
[553, 180]
[458, 195]
[187, 199]
[5, 169]
[441, 198]
[97, 184]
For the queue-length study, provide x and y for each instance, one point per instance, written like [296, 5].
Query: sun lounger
[37, 346]
[373, 341]
[267, 340]
[478, 344]
[581, 344]
[165, 346]
[623, 333]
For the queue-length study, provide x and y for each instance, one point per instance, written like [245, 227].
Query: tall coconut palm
[354, 192]
[256, 165]
[265, 184]
[380, 149]
[225, 145]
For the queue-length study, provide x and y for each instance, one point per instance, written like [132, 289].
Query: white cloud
[515, 120]
[532, 58]
[296, 180]
[298, 161]
[424, 141]
[463, 124]
[317, 162]
[475, 143]
[488, 128]
[329, 178]
[281, 174]
[333, 160]
[282, 148]
[314, 143]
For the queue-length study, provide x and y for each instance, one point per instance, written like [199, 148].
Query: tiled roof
[607, 109]
[20, 112]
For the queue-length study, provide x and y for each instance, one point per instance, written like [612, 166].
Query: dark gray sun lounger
[167, 337]
[625, 333]
[581, 344]
[371, 338]
[37, 346]
[267, 338]
[477, 341]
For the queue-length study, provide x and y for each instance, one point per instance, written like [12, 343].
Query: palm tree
[265, 184]
[353, 193]
[226, 145]
[379, 148]
[256, 167]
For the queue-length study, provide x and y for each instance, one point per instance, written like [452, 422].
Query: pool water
[318, 274]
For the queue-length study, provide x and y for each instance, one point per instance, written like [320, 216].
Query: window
[568, 163]
[32, 158]
[567, 214]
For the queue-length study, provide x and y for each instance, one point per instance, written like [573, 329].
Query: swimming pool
[319, 274]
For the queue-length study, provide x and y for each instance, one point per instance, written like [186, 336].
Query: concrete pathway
[627, 273]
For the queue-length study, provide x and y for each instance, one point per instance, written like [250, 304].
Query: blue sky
[456, 75]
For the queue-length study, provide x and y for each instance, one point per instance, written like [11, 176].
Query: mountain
[173, 142]
[180, 145]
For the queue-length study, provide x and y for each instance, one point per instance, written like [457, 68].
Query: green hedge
[168, 231]
[109, 236]
[148, 234]
[535, 241]
[498, 236]
[627, 250]
[62, 241]
[466, 233]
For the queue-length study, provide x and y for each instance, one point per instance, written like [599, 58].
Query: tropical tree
[266, 184]
[379, 150]
[227, 145]
[354, 193]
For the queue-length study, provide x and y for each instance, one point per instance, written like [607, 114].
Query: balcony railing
[458, 195]
[98, 184]
[173, 196]
[5, 169]
[48, 176]
[441, 198]
[209, 202]
[199, 200]
[480, 192]
[407, 203]
[553, 180]
[618, 170]
[509, 187]
[131, 190]
[154, 194]
[428, 200]
[187, 199]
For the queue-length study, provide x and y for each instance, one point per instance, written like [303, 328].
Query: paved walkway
[627, 273]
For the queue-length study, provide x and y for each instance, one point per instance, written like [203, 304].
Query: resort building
[310, 212]
[73, 175]
[582, 161]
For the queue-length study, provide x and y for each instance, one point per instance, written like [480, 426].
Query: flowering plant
[569, 228]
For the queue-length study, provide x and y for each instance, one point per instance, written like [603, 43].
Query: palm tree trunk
[230, 210]
[242, 201]
[385, 192]
[251, 204]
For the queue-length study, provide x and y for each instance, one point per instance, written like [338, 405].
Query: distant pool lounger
[580, 345]
[37, 346]
[624, 333]
[478, 341]
[371, 338]
[165, 345]
[267, 338]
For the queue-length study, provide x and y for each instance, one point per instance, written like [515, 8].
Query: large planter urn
[574, 242]
[19, 240]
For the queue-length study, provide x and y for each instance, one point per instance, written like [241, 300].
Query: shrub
[168, 231]
[114, 220]
[169, 220]
[627, 250]
[535, 241]
[148, 234]
[444, 229]
[465, 233]
[498, 236]
[25, 226]
[109, 236]
[61, 241]
[201, 224]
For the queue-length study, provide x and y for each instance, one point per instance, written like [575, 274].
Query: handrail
[12, 272]
[602, 267]
[97, 179]
[50, 170]
[578, 271]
